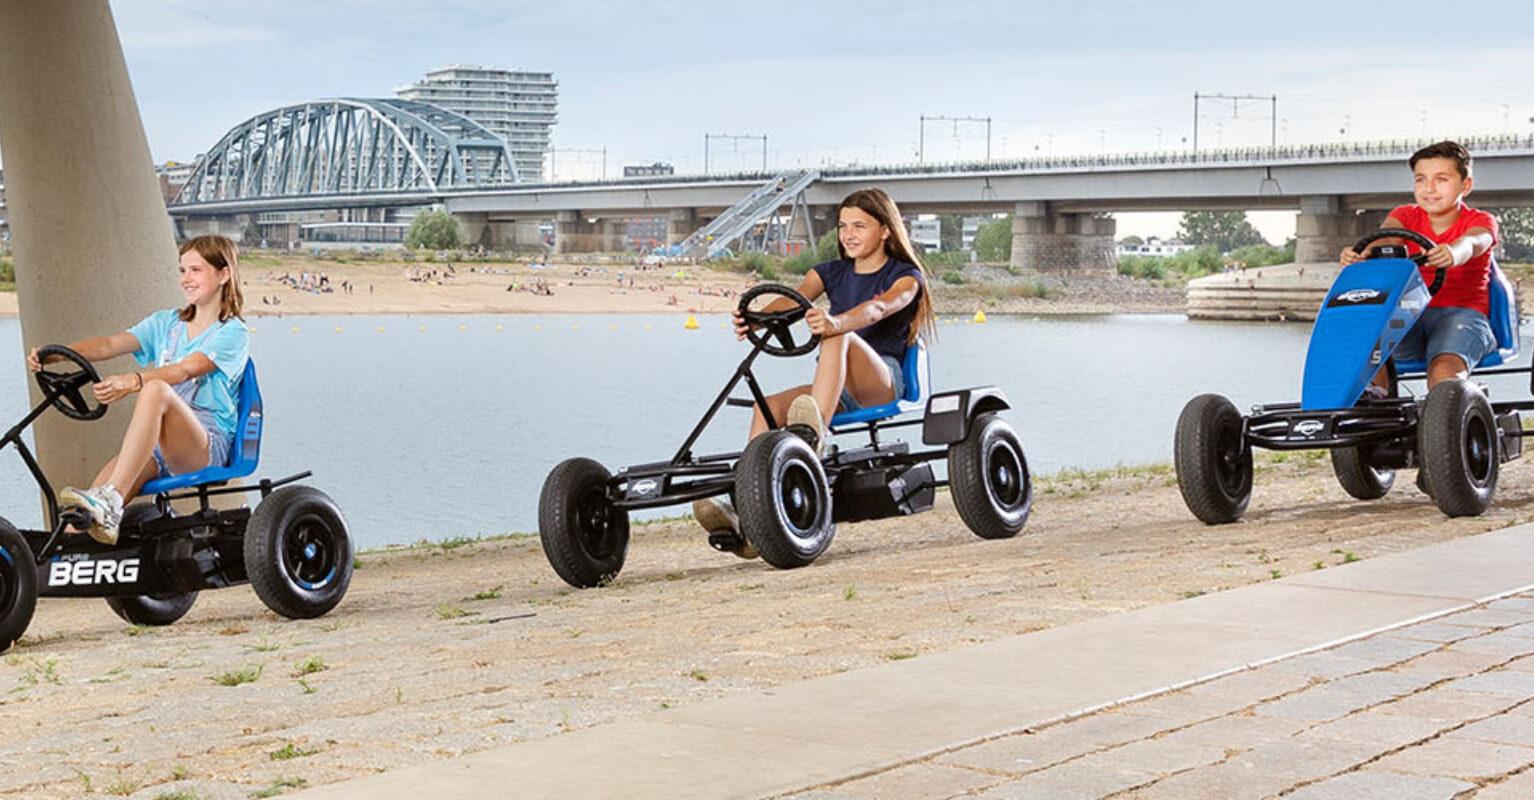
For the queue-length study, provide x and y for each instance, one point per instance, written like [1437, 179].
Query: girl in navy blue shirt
[880, 305]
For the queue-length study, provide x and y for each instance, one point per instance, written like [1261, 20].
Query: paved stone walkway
[1436, 710]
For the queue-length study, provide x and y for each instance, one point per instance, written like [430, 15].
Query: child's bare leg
[159, 417]
[144, 476]
[1446, 367]
[868, 377]
[778, 403]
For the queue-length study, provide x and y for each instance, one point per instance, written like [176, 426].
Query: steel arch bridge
[364, 147]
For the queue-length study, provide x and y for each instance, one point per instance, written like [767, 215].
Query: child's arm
[900, 294]
[1475, 242]
[96, 348]
[812, 287]
[115, 387]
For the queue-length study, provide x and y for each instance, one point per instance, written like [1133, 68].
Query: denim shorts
[1440, 330]
[219, 445]
[897, 380]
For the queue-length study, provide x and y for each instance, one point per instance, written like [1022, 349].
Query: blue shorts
[1441, 330]
[897, 380]
[219, 445]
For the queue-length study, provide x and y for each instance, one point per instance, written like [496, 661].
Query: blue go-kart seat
[1504, 325]
[914, 369]
[247, 443]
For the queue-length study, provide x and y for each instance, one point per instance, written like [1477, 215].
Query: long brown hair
[876, 203]
[221, 253]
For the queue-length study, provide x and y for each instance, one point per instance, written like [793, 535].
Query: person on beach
[1453, 334]
[184, 418]
[879, 306]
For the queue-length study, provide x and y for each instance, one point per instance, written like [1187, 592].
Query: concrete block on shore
[1283, 292]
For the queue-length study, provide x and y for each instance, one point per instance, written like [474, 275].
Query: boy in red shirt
[1453, 333]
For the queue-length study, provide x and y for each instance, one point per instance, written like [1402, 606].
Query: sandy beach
[613, 287]
[450, 649]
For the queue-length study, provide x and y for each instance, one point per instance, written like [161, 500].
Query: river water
[430, 427]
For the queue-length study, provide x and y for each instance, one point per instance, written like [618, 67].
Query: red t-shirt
[1464, 286]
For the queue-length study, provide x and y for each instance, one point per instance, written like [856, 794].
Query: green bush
[433, 230]
[946, 258]
[1260, 255]
[1203, 260]
[953, 277]
[993, 240]
[7, 270]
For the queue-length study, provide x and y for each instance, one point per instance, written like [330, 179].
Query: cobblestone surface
[1438, 709]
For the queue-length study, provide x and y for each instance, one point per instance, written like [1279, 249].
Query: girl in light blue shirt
[193, 357]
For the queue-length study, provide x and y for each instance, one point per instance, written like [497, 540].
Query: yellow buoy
[648, 326]
[612, 326]
[381, 329]
[980, 316]
[338, 329]
[252, 329]
[295, 329]
[500, 327]
[537, 326]
[463, 327]
[575, 326]
[691, 324]
[422, 329]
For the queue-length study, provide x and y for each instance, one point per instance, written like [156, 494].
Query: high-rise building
[519, 106]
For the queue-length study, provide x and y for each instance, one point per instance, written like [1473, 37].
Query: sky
[836, 83]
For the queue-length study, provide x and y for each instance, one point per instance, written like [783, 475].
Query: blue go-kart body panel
[1367, 313]
[914, 369]
[246, 452]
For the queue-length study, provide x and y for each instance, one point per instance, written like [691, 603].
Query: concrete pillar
[474, 229]
[93, 244]
[1324, 228]
[573, 233]
[517, 235]
[681, 223]
[1043, 239]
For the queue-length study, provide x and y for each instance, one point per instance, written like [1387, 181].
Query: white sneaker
[717, 516]
[805, 412]
[104, 506]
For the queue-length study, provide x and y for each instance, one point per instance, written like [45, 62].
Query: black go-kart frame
[294, 547]
[1455, 435]
[789, 500]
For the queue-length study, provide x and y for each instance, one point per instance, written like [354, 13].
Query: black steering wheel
[63, 388]
[1415, 238]
[772, 330]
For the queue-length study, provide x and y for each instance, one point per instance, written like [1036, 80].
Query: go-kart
[788, 499]
[294, 548]
[1455, 436]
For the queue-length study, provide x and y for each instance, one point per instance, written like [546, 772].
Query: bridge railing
[1281, 154]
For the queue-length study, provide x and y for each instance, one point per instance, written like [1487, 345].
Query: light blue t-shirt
[226, 344]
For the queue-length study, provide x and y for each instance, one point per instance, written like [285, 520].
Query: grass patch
[309, 666]
[179, 794]
[279, 786]
[850, 593]
[493, 593]
[450, 611]
[237, 677]
[900, 655]
[698, 675]
[289, 752]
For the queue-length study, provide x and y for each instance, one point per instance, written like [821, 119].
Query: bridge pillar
[575, 233]
[681, 223]
[1324, 227]
[93, 244]
[1043, 239]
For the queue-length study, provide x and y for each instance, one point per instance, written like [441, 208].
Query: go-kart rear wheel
[988, 473]
[1213, 461]
[18, 585]
[1358, 478]
[298, 553]
[784, 500]
[145, 609]
[1457, 442]
[584, 538]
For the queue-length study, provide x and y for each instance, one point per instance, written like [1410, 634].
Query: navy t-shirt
[847, 289]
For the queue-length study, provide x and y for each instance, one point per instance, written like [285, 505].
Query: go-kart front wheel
[298, 553]
[18, 585]
[584, 538]
[146, 609]
[784, 500]
[1213, 461]
[992, 488]
[1358, 479]
[1457, 443]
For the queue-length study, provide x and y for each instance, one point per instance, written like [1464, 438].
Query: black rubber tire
[1457, 443]
[989, 479]
[1358, 478]
[18, 585]
[584, 538]
[298, 553]
[144, 609]
[1213, 461]
[784, 500]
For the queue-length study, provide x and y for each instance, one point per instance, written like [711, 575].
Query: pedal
[76, 517]
[726, 541]
[804, 432]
